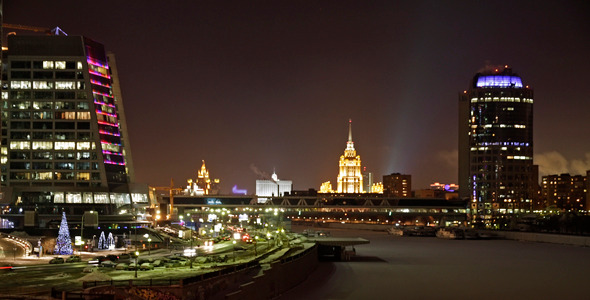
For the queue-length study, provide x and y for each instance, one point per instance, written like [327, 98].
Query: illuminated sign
[243, 217]
[235, 190]
[213, 201]
[499, 81]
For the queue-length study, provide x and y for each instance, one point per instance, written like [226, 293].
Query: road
[40, 278]
[431, 268]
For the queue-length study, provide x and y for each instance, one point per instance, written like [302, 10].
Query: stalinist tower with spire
[350, 179]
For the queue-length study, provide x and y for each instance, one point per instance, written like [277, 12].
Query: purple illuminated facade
[64, 138]
[496, 172]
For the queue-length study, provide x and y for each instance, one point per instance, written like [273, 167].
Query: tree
[63, 245]
[110, 242]
[102, 242]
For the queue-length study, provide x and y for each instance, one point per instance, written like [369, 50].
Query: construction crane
[172, 190]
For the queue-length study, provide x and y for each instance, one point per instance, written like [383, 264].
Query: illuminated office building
[350, 178]
[273, 187]
[397, 185]
[496, 171]
[564, 192]
[64, 136]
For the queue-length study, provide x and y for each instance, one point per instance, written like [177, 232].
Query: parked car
[131, 266]
[100, 258]
[113, 258]
[73, 258]
[108, 264]
[121, 266]
[146, 266]
[57, 260]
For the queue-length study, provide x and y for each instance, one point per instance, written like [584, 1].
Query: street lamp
[255, 242]
[147, 236]
[234, 242]
[136, 266]
[191, 252]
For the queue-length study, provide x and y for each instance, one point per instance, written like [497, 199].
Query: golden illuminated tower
[203, 180]
[350, 179]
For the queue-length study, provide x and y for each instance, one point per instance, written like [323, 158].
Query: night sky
[255, 85]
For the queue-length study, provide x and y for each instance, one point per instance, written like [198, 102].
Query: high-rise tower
[350, 178]
[496, 145]
[64, 137]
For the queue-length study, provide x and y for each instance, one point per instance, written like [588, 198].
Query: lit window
[101, 198]
[66, 115]
[60, 65]
[4, 95]
[20, 145]
[110, 147]
[58, 198]
[43, 175]
[74, 198]
[79, 67]
[21, 104]
[43, 115]
[48, 65]
[65, 85]
[18, 84]
[42, 145]
[42, 85]
[84, 115]
[83, 176]
[87, 198]
[4, 151]
[65, 145]
[83, 146]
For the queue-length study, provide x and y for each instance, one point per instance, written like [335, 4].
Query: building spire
[350, 130]
[350, 143]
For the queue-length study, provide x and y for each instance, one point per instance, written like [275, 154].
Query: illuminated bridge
[357, 208]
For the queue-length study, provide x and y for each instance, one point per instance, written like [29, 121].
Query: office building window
[22, 85]
[42, 85]
[42, 145]
[20, 145]
[65, 145]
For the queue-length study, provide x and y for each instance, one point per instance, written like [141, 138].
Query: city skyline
[270, 85]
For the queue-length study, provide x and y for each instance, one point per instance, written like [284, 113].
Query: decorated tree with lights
[110, 242]
[63, 244]
[102, 242]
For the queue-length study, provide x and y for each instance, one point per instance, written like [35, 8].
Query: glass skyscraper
[496, 172]
[64, 138]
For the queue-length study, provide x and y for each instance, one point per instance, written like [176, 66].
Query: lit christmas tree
[101, 241]
[63, 244]
[110, 242]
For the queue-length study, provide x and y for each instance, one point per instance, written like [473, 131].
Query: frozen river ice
[431, 268]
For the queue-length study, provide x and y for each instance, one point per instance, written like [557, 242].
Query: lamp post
[234, 242]
[147, 236]
[136, 266]
[191, 252]
[82, 232]
[255, 242]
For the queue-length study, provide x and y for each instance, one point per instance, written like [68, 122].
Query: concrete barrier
[543, 237]
[279, 278]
